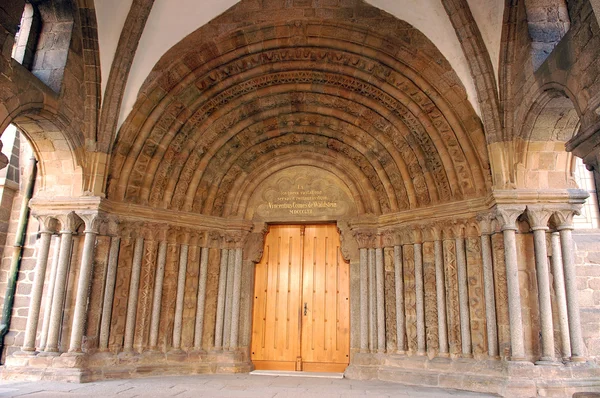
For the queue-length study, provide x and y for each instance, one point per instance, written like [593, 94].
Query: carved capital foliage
[562, 216]
[487, 222]
[390, 238]
[366, 239]
[507, 215]
[538, 216]
[92, 221]
[234, 239]
[69, 222]
[48, 224]
[214, 239]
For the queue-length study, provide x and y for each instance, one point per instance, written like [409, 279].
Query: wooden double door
[301, 316]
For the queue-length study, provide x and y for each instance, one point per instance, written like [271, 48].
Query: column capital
[234, 239]
[486, 222]
[416, 233]
[389, 238]
[538, 216]
[563, 216]
[47, 223]
[507, 215]
[366, 238]
[92, 221]
[69, 222]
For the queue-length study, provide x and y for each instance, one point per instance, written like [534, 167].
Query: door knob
[305, 308]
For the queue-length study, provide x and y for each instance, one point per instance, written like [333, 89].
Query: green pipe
[9, 297]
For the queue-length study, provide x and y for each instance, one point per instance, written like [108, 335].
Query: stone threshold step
[323, 375]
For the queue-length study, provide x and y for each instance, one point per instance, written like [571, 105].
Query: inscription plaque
[302, 193]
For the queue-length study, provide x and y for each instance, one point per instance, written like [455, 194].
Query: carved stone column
[199, 326]
[485, 224]
[221, 299]
[565, 227]
[561, 298]
[380, 297]
[538, 221]
[46, 230]
[237, 290]
[91, 221]
[365, 240]
[69, 225]
[400, 318]
[134, 284]
[372, 301]
[507, 216]
[463, 295]
[440, 291]
[109, 288]
[181, 275]
[419, 290]
[158, 289]
[50, 294]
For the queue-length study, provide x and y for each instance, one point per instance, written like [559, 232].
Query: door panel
[325, 327]
[275, 343]
[301, 305]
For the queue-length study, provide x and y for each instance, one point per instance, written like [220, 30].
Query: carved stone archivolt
[404, 143]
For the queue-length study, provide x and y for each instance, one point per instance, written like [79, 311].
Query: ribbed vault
[374, 111]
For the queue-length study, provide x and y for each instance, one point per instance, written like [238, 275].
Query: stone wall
[588, 283]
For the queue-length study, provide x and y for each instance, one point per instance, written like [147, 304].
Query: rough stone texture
[119, 312]
[336, 85]
[476, 296]
[94, 307]
[431, 317]
[390, 300]
[410, 298]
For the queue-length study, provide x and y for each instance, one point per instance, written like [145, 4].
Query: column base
[578, 359]
[548, 362]
[49, 354]
[22, 353]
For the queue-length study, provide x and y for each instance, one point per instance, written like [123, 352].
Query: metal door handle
[305, 308]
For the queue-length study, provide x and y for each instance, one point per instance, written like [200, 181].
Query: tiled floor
[243, 385]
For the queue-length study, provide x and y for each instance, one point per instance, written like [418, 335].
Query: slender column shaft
[440, 291]
[134, 285]
[221, 299]
[490, 300]
[183, 259]
[543, 281]
[380, 299]
[228, 299]
[514, 295]
[60, 288]
[36, 294]
[237, 290]
[158, 289]
[420, 298]
[199, 327]
[561, 299]
[50, 294]
[109, 292]
[399, 282]
[566, 242]
[463, 297]
[372, 302]
[83, 291]
[364, 303]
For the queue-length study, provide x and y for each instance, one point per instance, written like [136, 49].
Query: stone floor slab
[243, 385]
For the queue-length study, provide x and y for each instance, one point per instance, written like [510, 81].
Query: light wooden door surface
[301, 317]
